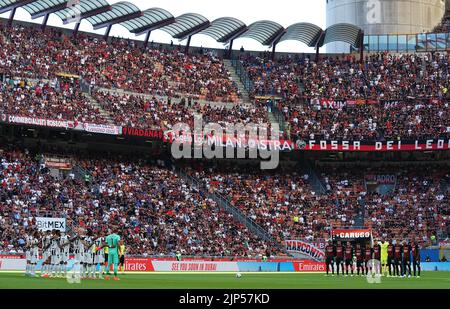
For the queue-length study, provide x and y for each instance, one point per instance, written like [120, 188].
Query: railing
[85, 87]
[421, 42]
[79, 172]
[242, 73]
[279, 116]
[359, 221]
[313, 179]
[226, 205]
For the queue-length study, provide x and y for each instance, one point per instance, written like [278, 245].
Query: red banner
[417, 145]
[138, 264]
[306, 266]
[156, 134]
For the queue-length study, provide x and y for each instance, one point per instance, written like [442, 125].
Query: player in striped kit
[99, 257]
[79, 250]
[64, 245]
[55, 258]
[89, 257]
[46, 242]
[32, 254]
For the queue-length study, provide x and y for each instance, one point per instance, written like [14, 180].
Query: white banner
[194, 266]
[48, 224]
[41, 122]
[102, 128]
[305, 248]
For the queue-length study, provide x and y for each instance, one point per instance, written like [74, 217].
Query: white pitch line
[188, 272]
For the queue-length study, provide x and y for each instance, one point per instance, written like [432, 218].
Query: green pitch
[428, 280]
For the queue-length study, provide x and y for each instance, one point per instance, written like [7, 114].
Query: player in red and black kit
[390, 259]
[377, 256]
[348, 253]
[359, 259]
[339, 257]
[367, 257]
[416, 258]
[329, 257]
[398, 259]
[406, 261]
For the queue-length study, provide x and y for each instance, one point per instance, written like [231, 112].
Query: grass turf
[428, 280]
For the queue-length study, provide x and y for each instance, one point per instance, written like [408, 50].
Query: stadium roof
[85, 9]
[303, 32]
[120, 12]
[347, 33]
[186, 25]
[151, 19]
[264, 31]
[42, 7]
[8, 5]
[101, 14]
[225, 28]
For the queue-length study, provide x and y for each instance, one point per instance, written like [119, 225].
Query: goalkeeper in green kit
[112, 241]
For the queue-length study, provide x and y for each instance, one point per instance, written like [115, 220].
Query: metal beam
[154, 26]
[44, 22]
[230, 49]
[147, 37]
[118, 20]
[275, 38]
[190, 32]
[361, 47]
[275, 42]
[317, 54]
[75, 30]
[11, 17]
[108, 30]
[188, 44]
[231, 36]
[237, 35]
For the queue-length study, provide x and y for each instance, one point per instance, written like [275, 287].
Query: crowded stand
[381, 76]
[418, 206]
[154, 113]
[403, 119]
[385, 97]
[289, 208]
[157, 212]
[32, 53]
[52, 100]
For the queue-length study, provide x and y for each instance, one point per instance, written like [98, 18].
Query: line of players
[56, 247]
[394, 259]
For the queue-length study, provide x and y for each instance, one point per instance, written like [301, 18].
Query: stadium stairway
[360, 213]
[224, 203]
[103, 113]
[237, 80]
[314, 180]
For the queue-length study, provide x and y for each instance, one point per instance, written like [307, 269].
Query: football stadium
[198, 145]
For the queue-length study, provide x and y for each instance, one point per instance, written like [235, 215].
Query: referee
[122, 257]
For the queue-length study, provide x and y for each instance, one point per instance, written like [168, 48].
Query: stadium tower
[384, 16]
